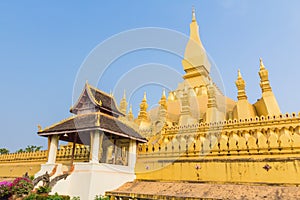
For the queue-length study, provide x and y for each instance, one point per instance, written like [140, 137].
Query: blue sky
[43, 44]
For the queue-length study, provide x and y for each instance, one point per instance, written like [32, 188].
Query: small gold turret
[123, 104]
[240, 84]
[171, 96]
[264, 78]
[212, 113]
[130, 115]
[211, 92]
[267, 105]
[243, 108]
[143, 115]
[163, 100]
[163, 106]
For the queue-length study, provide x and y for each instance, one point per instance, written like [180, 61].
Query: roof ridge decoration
[100, 99]
[93, 121]
[87, 89]
[92, 96]
[64, 120]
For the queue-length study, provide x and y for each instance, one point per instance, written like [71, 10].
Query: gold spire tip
[239, 73]
[164, 92]
[124, 94]
[261, 63]
[145, 96]
[193, 14]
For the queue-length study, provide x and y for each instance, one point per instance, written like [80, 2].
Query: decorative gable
[93, 100]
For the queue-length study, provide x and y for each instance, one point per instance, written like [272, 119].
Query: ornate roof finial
[39, 127]
[145, 96]
[193, 14]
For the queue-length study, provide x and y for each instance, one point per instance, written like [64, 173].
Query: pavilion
[98, 123]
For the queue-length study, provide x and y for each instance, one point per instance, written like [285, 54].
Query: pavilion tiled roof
[93, 121]
[100, 99]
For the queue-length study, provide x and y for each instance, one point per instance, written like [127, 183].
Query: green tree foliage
[30, 148]
[4, 151]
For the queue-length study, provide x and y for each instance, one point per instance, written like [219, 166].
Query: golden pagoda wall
[17, 164]
[258, 150]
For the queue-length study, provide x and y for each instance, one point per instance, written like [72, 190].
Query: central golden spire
[195, 62]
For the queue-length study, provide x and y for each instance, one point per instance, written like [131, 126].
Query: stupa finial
[261, 64]
[239, 73]
[193, 14]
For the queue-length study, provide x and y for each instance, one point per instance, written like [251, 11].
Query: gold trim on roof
[65, 120]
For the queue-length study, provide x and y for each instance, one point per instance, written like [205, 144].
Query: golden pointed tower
[143, 115]
[123, 104]
[243, 109]
[195, 62]
[264, 77]
[212, 113]
[163, 106]
[267, 104]
[163, 100]
[240, 84]
[130, 115]
[211, 92]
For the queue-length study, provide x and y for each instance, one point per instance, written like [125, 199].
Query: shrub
[50, 197]
[5, 189]
[21, 186]
[58, 197]
[100, 197]
[43, 190]
[31, 197]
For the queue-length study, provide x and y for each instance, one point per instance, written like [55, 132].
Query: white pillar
[52, 149]
[132, 154]
[95, 141]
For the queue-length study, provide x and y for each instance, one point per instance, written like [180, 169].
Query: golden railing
[81, 154]
[260, 135]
